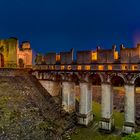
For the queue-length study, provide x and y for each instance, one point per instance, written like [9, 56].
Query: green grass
[90, 133]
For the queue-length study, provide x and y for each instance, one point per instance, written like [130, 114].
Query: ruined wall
[8, 49]
[10, 53]
[84, 57]
[99, 56]
[66, 57]
[50, 58]
[106, 56]
[130, 55]
[25, 53]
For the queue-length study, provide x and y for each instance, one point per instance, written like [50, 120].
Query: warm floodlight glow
[124, 67]
[79, 67]
[69, 67]
[115, 55]
[100, 67]
[109, 67]
[58, 57]
[52, 67]
[62, 67]
[94, 56]
[87, 67]
[134, 67]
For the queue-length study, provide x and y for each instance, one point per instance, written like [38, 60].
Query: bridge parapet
[91, 67]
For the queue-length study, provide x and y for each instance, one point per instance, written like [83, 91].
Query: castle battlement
[100, 56]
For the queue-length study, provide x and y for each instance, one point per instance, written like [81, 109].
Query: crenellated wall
[106, 55]
[98, 56]
[130, 55]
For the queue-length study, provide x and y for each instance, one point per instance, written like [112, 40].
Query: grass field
[91, 133]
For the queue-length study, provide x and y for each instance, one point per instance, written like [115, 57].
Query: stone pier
[53, 87]
[129, 124]
[68, 96]
[85, 115]
[107, 121]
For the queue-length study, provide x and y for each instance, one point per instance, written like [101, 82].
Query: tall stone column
[129, 125]
[85, 115]
[53, 87]
[107, 122]
[68, 96]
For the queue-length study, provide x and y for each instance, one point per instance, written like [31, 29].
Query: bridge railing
[89, 67]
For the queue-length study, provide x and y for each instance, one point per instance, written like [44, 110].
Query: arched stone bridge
[54, 80]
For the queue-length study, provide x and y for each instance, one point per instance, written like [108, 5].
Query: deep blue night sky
[59, 25]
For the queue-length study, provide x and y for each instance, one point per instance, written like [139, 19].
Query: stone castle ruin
[59, 74]
[14, 56]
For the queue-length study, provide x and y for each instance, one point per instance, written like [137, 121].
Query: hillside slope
[27, 111]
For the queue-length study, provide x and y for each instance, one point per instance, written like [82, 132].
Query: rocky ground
[28, 112]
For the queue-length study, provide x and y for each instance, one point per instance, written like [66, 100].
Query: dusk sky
[59, 25]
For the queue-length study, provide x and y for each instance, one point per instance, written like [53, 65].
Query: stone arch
[117, 79]
[74, 77]
[53, 76]
[135, 77]
[80, 76]
[95, 79]
[137, 81]
[57, 77]
[62, 76]
[101, 76]
[1, 60]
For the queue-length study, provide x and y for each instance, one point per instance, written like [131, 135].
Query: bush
[132, 137]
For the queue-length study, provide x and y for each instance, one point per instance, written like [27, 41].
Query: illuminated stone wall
[130, 55]
[10, 53]
[25, 55]
[66, 57]
[84, 57]
[50, 58]
[106, 56]
[99, 56]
